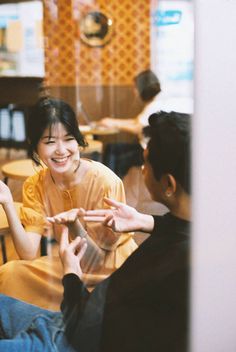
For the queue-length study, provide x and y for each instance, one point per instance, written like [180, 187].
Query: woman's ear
[170, 185]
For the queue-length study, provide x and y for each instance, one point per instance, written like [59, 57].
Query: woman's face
[58, 149]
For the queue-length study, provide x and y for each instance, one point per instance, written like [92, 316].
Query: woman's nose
[60, 148]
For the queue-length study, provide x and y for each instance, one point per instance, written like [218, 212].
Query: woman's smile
[61, 160]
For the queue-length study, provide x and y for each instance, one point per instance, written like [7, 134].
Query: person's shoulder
[179, 104]
[101, 171]
[155, 104]
[169, 224]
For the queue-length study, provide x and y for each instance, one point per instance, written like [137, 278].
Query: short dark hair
[147, 84]
[44, 114]
[169, 146]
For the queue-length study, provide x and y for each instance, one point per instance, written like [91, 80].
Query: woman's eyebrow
[54, 137]
[48, 137]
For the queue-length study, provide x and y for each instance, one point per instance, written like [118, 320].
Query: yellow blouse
[42, 198]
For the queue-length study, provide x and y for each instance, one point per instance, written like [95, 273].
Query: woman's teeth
[60, 160]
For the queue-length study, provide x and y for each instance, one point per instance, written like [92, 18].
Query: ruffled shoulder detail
[32, 213]
[32, 220]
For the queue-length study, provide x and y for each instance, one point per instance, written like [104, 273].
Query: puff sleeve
[32, 212]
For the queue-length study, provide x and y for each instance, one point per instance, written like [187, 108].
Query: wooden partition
[19, 90]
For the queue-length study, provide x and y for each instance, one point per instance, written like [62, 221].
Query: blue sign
[166, 18]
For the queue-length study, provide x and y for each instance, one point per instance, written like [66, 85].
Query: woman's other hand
[67, 217]
[5, 194]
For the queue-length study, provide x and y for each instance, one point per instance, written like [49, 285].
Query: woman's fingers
[62, 219]
[50, 219]
[81, 212]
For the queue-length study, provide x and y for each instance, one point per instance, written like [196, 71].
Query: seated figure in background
[144, 305]
[121, 156]
[68, 181]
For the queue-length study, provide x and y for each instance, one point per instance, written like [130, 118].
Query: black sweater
[141, 307]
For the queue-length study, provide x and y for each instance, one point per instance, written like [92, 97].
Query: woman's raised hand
[67, 217]
[5, 194]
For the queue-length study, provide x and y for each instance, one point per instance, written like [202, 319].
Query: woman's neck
[66, 180]
[71, 179]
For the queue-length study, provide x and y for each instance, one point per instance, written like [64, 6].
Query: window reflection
[21, 39]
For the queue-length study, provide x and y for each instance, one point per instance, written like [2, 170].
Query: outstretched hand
[71, 253]
[121, 217]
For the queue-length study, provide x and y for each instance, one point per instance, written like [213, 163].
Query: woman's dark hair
[147, 85]
[44, 114]
[169, 146]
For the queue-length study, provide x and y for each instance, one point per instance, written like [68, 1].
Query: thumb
[112, 202]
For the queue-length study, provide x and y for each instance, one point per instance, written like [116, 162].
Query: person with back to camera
[68, 181]
[143, 306]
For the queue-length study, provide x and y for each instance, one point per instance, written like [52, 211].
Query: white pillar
[214, 178]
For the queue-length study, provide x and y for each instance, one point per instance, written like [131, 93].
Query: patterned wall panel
[71, 62]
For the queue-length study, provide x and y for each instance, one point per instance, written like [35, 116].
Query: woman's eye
[70, 139]
[50, 142]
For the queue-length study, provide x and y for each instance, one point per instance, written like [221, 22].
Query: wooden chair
[4, 229]
[19, 170]
[94, 150]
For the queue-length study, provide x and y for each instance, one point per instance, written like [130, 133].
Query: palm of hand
[123, 218]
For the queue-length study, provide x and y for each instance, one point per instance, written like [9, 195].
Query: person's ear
[170, 185]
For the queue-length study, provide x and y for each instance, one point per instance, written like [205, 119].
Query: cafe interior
[58, 49]
[87, 53]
